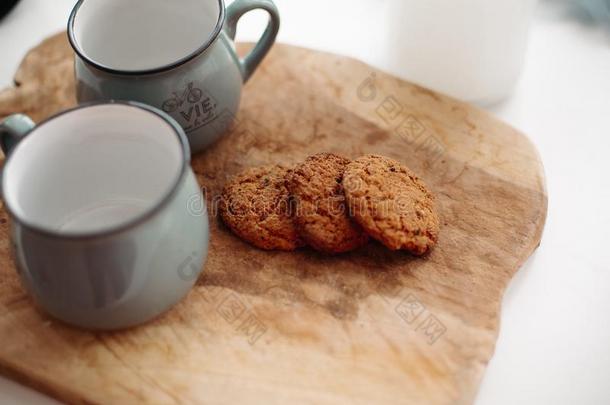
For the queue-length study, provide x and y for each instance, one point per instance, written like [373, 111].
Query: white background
[554, 345]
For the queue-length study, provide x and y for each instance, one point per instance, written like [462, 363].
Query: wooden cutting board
[372, 326]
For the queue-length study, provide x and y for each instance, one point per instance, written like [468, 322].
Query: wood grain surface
[372, 326]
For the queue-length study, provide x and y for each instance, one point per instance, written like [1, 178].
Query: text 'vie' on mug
[102, 234]
[178, 56]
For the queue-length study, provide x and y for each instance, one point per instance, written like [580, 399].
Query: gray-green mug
[108, 224]
[178, 56]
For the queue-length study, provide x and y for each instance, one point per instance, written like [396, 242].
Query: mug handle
[12, 130]
[234, 12]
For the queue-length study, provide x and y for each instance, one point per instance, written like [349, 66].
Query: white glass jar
[470, 49]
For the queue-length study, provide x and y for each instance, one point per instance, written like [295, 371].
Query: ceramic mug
[178, 56]
[98, 198]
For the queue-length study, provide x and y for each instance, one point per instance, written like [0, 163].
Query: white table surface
[554, 345]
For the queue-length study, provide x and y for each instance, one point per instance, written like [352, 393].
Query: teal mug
[177, 56]
[103, 231]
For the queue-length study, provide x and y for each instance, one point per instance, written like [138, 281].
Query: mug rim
[136, 220]
[141, 72]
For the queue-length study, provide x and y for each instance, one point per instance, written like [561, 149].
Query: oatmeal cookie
[255, 205]
[320, 210]
[392, 204]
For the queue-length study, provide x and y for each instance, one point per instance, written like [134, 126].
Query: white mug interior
[138, 35]
[93, 169]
